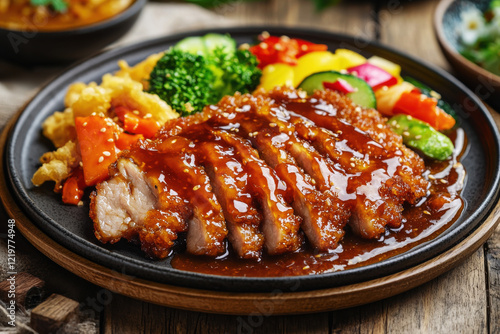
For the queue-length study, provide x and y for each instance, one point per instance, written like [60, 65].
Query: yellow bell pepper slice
[314, 62]
[349, 58]
[278, 74]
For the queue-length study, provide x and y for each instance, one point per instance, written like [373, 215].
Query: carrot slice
[125, 140]
[96, 140]
[133, 123]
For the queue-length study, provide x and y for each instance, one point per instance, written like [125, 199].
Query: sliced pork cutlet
[321, 221]
[171, 162]
[381, 185]
[127, 205]
[229, 180]
[280, 225]
[230, 184]
[370, 121]
[323, 215]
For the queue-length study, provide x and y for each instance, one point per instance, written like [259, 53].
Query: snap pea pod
[420, 135]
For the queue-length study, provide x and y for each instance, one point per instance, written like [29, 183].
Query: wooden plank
[453, 303]
[149, 318]
[356, 18]
[493, 272]
[407, 26]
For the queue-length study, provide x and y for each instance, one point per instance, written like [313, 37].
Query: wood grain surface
[466, 299]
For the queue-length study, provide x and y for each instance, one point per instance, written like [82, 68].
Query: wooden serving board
[242, 303]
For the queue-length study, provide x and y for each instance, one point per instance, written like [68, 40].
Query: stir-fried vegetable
[285, 50]
[96, 140]
[405, 98]
[189, 81]
[74, 187]
[421, 136]
[373, 75]
[362, 94]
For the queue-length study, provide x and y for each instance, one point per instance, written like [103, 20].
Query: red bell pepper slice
[274, 49]
[424, 108]
[74, 188]
[373, 75]
[340, 86]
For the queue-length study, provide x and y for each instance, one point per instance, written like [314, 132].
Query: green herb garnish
[58, 5]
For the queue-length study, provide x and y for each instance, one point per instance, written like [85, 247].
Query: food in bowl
[304, 170]
[480, 36]
[55, 15]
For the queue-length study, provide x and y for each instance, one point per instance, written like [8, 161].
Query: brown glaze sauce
[421, 223]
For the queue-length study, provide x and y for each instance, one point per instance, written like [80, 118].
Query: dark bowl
[65, 46]
[447, 19]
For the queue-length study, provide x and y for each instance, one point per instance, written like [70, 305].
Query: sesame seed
[273, 125]
[427, 212]
[265, 34]
[339, 132]
[302, 94]
[406, 134]
[353, 164]
[317, 255]
[380, 126]
[110, 140]
[136, 112]
[278, 47]
[357, 109]
[431, 177]
[80, 203]
[106, 153]
[443, 181]
[148, 115]
[196, 187]
[93, 114]
[306, 267]
[418, 137]
[101, 159]
[186, 170]
[263, 45]
[80, 163]
[103, 129]
[393, 123]
[244, 46]
[84, 124]
[435, 95]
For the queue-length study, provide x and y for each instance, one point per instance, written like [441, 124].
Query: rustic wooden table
[464, 300]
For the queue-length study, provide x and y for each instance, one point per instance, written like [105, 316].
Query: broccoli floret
[239, 71]
[188, 82]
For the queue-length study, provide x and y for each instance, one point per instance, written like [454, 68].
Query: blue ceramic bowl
[447, 20]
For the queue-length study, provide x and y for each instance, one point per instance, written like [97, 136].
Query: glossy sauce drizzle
[421, 223]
